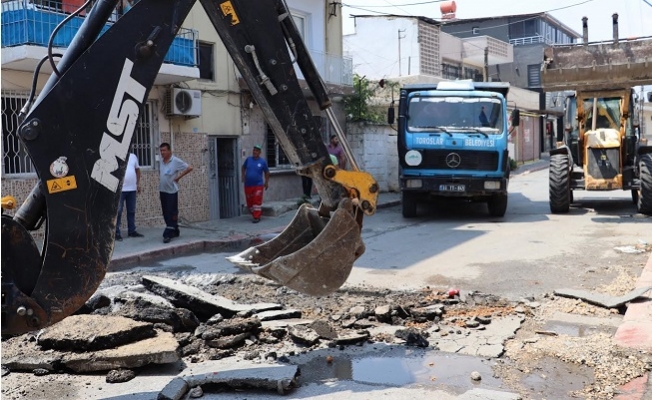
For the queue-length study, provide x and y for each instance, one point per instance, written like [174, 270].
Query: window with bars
[534, 76]
[276, 158]
[449, 71]
[473, 73]
[142, 141]
[16, 162]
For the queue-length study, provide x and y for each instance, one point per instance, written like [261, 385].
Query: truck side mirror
[516, 117]
[390, 115]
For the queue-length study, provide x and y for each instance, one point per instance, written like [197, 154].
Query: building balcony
[470, 51]
[335, 71]
[499, 52]
[27, 26]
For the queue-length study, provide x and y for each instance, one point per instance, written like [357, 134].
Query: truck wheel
[409, 204]
[644, 205]
[497, 205]
[635, 197]
[559, 180]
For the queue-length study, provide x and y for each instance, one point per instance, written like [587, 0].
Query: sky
[635, 16]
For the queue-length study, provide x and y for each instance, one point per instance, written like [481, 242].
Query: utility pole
[399, 49]
[485, 70]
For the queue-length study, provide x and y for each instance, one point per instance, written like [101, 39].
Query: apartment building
[199, 104]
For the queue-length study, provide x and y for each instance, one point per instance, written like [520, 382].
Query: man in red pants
[255, 176]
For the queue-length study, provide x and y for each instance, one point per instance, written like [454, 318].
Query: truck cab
[452, 142]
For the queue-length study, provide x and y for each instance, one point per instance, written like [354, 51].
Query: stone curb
[229, 244]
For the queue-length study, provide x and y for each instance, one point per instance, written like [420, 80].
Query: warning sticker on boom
[61, 184]
[227, 9]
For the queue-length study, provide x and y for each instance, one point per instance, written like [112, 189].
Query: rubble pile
[163, 319]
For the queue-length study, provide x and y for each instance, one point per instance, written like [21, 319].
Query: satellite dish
[183, 101]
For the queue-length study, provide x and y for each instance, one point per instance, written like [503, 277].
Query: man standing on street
[130, 187]
[334, 148]
[255, 176]
[171, 169]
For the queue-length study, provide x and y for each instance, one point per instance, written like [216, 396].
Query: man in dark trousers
[130, 187]
[171, 169]
[255, 176]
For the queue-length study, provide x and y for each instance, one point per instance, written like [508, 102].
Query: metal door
[223, 178]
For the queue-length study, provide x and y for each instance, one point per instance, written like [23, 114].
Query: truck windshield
[477, 114]
[607, 113]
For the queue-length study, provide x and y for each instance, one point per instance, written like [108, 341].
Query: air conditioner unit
[183, 102]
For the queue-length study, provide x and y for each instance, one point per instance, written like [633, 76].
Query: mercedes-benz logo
[453, 160]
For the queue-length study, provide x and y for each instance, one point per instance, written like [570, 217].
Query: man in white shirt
[130, 187]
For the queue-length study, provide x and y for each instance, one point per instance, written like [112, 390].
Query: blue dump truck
[452, 142]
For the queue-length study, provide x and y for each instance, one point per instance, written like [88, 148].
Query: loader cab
[572, 129]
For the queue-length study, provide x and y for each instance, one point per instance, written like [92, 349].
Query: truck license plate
[452, 188]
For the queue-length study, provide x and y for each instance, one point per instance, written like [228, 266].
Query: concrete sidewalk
[224, 234]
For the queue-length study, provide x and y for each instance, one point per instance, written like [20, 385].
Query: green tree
[358, 106]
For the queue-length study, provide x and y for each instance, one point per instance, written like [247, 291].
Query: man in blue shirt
[171, 169]
[255, 176]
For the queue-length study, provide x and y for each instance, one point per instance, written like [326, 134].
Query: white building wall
[314, 13]
[374, 147]
[374, 47]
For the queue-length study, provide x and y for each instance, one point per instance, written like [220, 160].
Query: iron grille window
[15, 160]
[142, 139]
[473, 73]
[449, 71]
[276, 158]
[534, 76]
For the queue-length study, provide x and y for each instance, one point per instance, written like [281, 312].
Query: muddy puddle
[399, 366]
[554, 379]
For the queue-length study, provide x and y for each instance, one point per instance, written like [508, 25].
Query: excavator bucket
[313, 255]
[616, 65]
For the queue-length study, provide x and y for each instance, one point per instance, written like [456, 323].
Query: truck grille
[468, 160]
[604, 163]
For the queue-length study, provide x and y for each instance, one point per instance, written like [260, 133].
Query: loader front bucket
[313, 255]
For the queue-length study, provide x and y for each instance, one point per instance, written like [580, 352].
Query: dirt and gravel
[349, 318]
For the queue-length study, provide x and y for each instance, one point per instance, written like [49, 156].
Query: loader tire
[497, 205]
[559, 181]
[644, 205]
[409, 205]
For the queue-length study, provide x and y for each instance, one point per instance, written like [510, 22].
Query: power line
[402, 5]
[495, 26]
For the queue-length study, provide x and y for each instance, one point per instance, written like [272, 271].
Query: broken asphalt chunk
[412, 337]
[602, 300]
[303, 335]
[242, 375]
[161, 349]
[278, 314]
[93, 332]
[173, 390]
[203, 304]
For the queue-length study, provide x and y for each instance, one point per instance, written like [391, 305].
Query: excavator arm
[86, 115]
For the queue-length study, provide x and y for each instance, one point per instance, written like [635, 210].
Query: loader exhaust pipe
[615, 25]
[585, 30]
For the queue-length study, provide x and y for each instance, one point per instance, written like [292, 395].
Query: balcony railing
[30, 23]
[530, 40]
[333, 69]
